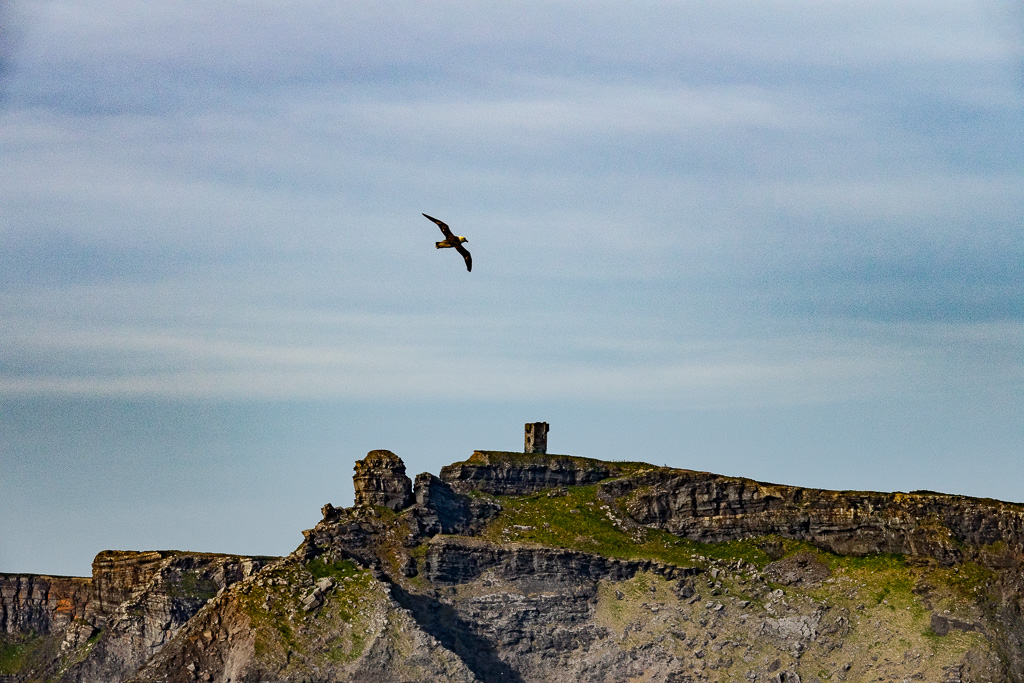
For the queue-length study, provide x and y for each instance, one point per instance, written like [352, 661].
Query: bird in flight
[454, 241]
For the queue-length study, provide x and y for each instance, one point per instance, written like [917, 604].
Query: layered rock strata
[712, 508]
[103, 628]
[41, 604]
[515, 474]
[450, 561]
[380, 480]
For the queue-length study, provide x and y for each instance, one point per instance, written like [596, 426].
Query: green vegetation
[291, 613]
[874, 592]
[575, 518]
[897, 585]
[12, 656]
[78, 655]
[969, 579]
[616, 613]
[753, 550]
[346, 650]
[194, 585]
[345, 569]
[27, 654]
[869, 606]
[874, 562]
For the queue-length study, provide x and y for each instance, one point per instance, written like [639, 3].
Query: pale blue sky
[771, 239]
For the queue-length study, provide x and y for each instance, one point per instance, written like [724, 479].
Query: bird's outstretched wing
[465, 254]
[444, 229]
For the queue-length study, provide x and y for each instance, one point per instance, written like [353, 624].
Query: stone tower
[380, 480]
[536, 437]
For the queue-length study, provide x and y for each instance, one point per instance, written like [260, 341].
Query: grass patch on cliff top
[575, 518]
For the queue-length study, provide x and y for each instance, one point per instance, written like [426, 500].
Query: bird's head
[462, 239]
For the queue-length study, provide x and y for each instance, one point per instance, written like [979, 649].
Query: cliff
[41, 604]
[103, 628]
[535, 567]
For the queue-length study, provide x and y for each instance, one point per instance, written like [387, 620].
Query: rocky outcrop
[117, 574]
[268, 629]
[103, 628]
[349, 533]
[380, 480]
[440, 510]
[167, 596]
[355, 533]
[516, 474]
[712, 508]
[41, 604]
[948, 528]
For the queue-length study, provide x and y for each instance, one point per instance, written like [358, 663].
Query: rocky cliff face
[516, 474]
[41, 604]
[529, 567]
[713, 508]
[105, 627]
[380, 480]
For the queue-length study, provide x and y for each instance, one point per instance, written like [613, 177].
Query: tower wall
[536, 437]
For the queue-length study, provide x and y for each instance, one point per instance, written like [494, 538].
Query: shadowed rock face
[529, 567]
[380, 480]
[451, 561]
